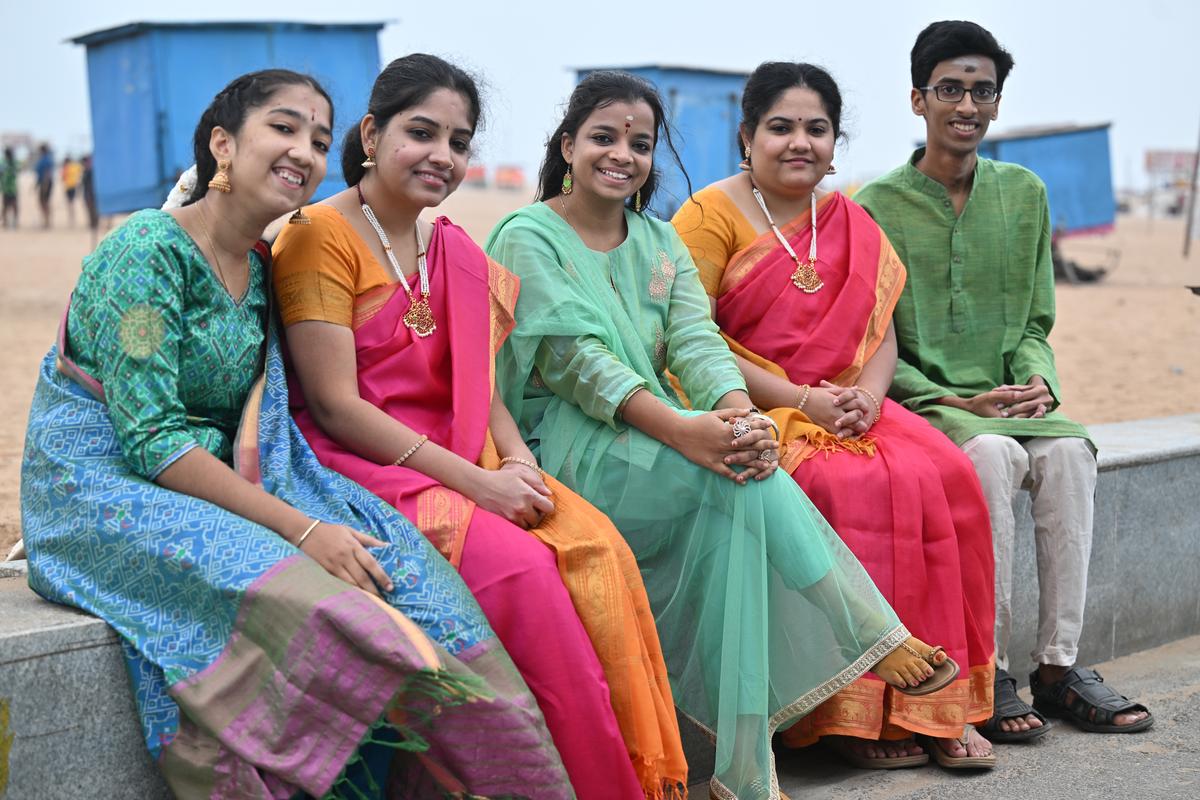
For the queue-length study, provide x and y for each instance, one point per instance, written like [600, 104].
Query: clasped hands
[844, 411]
[1012, 401]
[727, 438]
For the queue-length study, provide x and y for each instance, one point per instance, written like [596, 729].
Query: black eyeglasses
[953, 93]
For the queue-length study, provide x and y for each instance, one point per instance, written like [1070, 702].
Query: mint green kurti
[979, 301]
[175, 353]
[761, 610]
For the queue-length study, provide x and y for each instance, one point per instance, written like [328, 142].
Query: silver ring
[768, 456]
[741, 427]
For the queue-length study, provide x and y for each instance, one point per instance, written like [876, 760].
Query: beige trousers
[1060, 474]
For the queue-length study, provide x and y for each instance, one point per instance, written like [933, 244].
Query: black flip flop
[1009, 705]
[1094, 705]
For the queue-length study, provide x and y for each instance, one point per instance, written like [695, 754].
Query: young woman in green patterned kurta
[166, 490]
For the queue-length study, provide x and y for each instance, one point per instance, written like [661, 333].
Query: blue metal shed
[704, 108]
[149, 82]
[1074, 163]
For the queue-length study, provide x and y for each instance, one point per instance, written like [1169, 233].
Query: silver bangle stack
[410, 450]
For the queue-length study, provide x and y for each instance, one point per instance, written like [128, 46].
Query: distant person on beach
[972, 326]
[87, 182]
[10, 169]
[44, 169]
[72, 173]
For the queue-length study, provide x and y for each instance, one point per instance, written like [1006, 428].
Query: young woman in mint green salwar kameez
[762, 611]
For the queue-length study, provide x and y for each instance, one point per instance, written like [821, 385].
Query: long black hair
[229, 108]
[597, 90]
[404, 83]
[772, 78]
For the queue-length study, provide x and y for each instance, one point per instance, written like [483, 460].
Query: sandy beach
[1127, 347]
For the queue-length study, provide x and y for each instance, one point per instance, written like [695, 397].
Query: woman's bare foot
[905, 668]
[977, 746]
[880, 749]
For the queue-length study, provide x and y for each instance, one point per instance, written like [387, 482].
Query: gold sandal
[943, 673]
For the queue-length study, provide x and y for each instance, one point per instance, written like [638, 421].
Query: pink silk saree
[904, 499]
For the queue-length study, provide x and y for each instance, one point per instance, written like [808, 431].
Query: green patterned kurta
[979, 302]
[176, 354]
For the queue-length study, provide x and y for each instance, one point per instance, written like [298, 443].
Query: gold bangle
[874, 399]
[803, 397]
[307, 531]
[525, 461]
[410, 451]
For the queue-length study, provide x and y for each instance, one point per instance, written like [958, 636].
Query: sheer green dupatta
[762, 611]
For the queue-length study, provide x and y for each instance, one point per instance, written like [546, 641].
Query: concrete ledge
[75, 732]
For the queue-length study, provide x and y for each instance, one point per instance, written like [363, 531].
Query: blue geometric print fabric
[166, 570]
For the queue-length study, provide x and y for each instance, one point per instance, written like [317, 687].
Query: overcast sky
[1132, 64]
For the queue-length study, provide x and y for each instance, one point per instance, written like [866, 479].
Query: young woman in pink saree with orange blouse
[392, 326]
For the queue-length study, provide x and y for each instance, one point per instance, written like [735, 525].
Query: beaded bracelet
[874, 399]
[803, 397]
[524, 461]
[410, 450]
[307, 531]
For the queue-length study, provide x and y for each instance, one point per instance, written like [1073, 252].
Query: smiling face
[421, 154]
[957, 127]
[612, 153]
[278, 156]
[792, 146]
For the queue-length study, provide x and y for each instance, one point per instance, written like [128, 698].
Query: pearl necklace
[419, 317]
[805, 278]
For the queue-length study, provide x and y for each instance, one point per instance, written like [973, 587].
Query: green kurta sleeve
[912, 389]
[696, 353]
[1033, 355]
[585, 373]
[132, 313]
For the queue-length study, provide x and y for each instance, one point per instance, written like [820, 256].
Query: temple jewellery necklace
[805, 278]
[419, 317]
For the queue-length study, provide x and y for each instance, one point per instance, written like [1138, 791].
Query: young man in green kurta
[972, 326]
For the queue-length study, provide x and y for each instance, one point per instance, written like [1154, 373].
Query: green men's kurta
[979, 302]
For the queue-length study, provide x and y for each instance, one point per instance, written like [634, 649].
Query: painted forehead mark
[628, 121]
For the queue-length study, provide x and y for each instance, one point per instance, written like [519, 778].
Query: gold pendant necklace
[805, 278]
[419, 317]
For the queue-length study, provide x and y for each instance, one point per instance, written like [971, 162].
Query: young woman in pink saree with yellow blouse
[806, 304]
[392, 327]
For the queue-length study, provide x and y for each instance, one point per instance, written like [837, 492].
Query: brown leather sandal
[943, 673]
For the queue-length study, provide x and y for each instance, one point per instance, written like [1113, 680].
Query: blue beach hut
[703, 105]
[1074, 163]
[148, 83]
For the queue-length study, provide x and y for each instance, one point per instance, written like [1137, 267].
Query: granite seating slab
[68, 727]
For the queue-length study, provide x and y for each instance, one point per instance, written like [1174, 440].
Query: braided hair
[229, 108]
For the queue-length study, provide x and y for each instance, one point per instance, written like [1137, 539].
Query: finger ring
[741, 427]
[769, 456]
